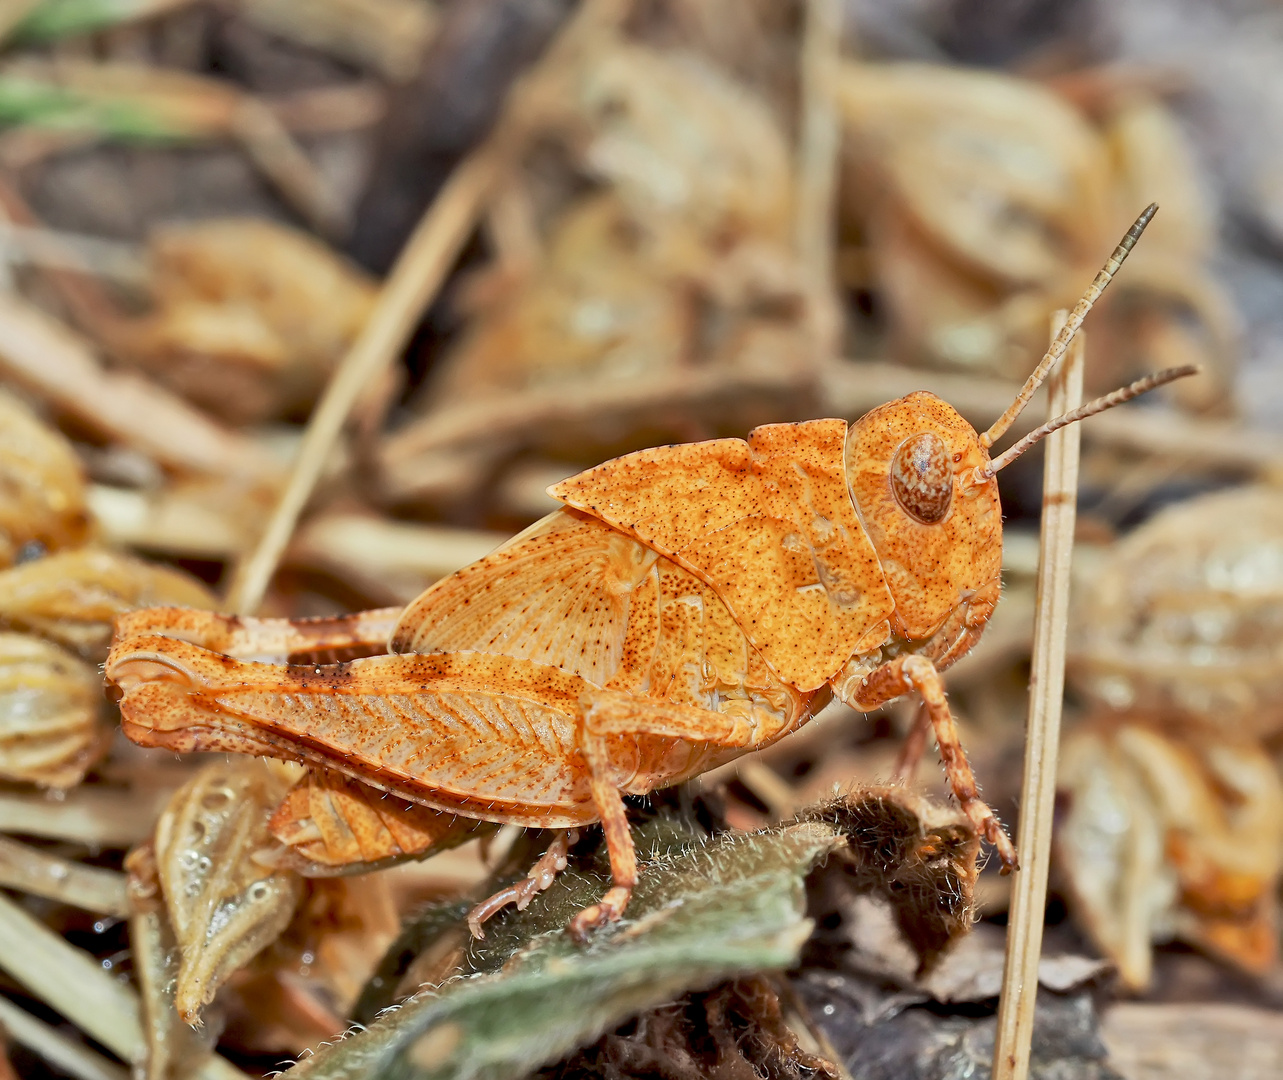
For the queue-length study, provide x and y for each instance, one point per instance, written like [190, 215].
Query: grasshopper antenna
[1100, 404]
[1067, 332]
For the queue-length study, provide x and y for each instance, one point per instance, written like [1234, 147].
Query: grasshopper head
[923, 483]
[911, 468]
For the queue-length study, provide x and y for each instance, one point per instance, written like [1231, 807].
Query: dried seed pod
[332, 824]
[1171, 836]
[1185, 615]
[600, 304]
[51, 728]
[42, 485]
[73, 597]
[250, 315]
[676, 137]
[172, 1046]
[1006, 177]
[224, 905]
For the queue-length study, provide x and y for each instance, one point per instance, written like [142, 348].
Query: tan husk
[250, 316]
[1171, 833]
[74, 596]
[42, 484]
[224, 906]
[51, 729]
[1185, 614]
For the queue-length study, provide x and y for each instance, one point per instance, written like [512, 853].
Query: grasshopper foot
[997, 836]
[541, 875]
[607, 910]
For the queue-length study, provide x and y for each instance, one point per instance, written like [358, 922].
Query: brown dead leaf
[1171, 835]
[917, 855]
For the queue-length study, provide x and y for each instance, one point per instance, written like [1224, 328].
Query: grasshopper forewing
[689, 604]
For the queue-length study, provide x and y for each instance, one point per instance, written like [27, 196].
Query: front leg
[913, 672]
[608, 713]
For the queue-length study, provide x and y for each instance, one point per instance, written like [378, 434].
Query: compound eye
[922, 479]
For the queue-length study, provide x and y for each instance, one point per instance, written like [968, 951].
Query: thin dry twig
[418, 273]
[1046, 692]
[92, 888]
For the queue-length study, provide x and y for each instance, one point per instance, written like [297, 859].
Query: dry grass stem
[420, 269]
[400, 557]
[853, 388]
[84, 815]
[817, 164]
[75, 984]
[285, 164]
[54, 250]
[426, 456]
[62, 1053]
[414, 280]
[70, 981]
[30, 870]
[165, 520]
[1046, 693]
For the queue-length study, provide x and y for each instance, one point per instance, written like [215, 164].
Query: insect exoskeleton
[689, 604]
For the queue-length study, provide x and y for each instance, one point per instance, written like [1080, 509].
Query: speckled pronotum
[687, 605]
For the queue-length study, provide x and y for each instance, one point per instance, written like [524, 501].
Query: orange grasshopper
[689, 604]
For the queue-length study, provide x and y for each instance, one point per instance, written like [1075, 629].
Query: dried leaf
[250, 316]
[74, 597]
[51, 728]
[1002, 173]
[1171, 834]
[1186, 615]
[42, 485]
[223, 904]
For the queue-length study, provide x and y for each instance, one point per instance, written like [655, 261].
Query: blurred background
[666, 220]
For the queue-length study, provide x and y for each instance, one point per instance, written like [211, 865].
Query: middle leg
[611, 712]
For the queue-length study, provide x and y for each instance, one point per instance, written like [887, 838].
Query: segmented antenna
[1100, 404]
[1067, 332]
